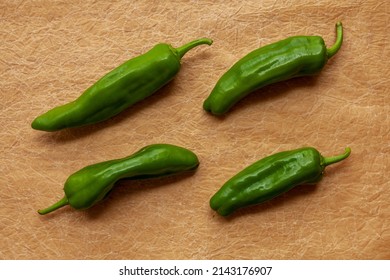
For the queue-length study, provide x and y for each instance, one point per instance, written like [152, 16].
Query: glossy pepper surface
[124, 86]
[292, 57]
[272, 176]
[91, 184]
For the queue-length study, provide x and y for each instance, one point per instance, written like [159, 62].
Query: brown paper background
[51, 51]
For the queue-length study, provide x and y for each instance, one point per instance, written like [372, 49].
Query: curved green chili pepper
[272, 176]
[91, 184]
[129, 83]
[292, 57]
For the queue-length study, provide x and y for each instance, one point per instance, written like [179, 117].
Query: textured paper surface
[51, 51]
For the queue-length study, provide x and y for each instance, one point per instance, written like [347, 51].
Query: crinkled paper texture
[51, 51]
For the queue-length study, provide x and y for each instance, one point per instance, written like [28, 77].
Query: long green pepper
[272, 176]
[124, 86]
[88, 186]
[292, 57]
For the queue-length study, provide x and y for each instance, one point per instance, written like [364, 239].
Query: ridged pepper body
[289, 58]
[270, 177]
[91, 184]
[124, 86]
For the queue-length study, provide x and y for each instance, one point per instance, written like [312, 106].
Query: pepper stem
[339, 40]
[181, 51]
[55, 206]
[330, 160]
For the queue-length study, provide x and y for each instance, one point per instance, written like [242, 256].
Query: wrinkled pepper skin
[292, 57]
[91, 184]
[270, 177]
[124, 86]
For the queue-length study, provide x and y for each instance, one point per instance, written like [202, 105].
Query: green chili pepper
[272, 176]
[91, 184]
[129, 83]
[292, 57]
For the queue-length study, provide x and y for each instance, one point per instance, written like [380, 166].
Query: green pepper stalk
[124, 86]
[88, 186]
[272, 176]
[292, 57]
